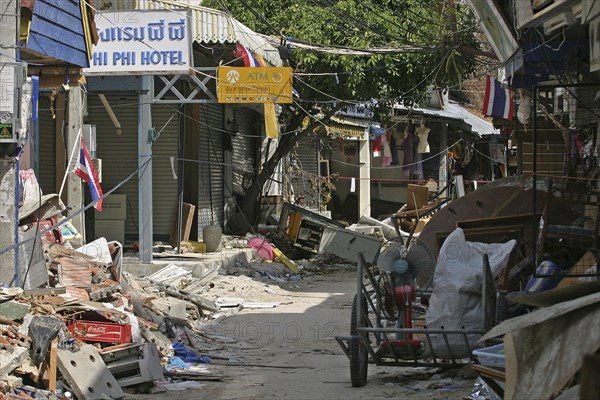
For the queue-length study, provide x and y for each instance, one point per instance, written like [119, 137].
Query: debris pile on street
[83, 326]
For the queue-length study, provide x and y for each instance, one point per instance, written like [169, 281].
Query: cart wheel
[501, 307]
[359, 355]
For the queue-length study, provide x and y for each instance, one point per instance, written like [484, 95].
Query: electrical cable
[81, 210]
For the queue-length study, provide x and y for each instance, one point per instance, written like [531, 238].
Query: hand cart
[381, 325]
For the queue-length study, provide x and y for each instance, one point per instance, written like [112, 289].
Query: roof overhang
[455, 113]
[85, 13]
[210, 26]
[346, 127]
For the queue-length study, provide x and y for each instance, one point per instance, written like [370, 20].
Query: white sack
[456, 298]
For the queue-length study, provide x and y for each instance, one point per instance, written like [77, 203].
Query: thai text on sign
[254, 84]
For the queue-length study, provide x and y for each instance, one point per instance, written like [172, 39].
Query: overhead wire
[210, 76]
[333, 98]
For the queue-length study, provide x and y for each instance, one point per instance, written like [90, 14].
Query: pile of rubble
[93, 330]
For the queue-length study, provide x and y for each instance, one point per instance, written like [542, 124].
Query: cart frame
[366, 328]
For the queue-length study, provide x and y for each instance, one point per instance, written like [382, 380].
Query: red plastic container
[106, 332]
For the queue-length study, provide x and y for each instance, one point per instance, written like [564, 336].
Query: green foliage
[366, 24]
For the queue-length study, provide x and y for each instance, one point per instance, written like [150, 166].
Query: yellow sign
[254, 84]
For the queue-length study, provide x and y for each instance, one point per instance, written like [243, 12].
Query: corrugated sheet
[340, 126]
[211, 26]
[57, 31]
[164, 187]
[119, 159]
[479, 126]
[46, 173]
[245, 149]
[208, 26]
[211, 197]
[118, 152]
[306, 156]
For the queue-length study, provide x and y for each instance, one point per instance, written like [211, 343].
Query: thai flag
[253, 60]
[498, 102]
[86, 171]
[245, 54]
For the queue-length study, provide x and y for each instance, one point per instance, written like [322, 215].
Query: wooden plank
[509, 220]
[52, 365]
[541, 315]
[416, 196]
[543, 357]
[187, 218]
[590, 377]
[489, 371]
[557, 295]
[48, 370]
[61, 13]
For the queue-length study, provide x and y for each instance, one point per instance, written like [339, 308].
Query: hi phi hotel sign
[138, 42]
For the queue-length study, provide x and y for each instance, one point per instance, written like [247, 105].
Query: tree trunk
[251, 207]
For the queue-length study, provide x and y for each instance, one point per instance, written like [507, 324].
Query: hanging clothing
[377, 147]
[407, 150]
[386, 160]
[394, 147]
[419, 166]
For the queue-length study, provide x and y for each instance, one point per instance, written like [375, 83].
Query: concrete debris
[86, 373]
[13, 310]
[11, 357]
[90, 330]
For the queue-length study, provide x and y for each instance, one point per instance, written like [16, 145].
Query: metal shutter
[46, 173]
[211, 194]
[165, 118]
[118, 152]
[306, 159]
[245, 149]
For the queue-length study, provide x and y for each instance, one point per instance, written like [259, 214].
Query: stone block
[11, 357]
[171, 307]
[87, 374]
[13, 310]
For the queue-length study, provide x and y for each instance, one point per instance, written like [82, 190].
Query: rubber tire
[359, 355]
[501, 308]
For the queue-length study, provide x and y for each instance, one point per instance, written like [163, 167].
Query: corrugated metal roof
[478, 125]
[340, 126]
[214, 26]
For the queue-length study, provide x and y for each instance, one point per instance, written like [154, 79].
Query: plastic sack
[455, 302]
[29, 188]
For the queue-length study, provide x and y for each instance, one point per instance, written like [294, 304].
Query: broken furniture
[408, 219]
[574, 240]
[316, 234]
[134, 364]
[544, 349]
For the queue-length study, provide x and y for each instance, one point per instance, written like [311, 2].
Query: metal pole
[535, 223]
[145, 171]
[180, 147]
